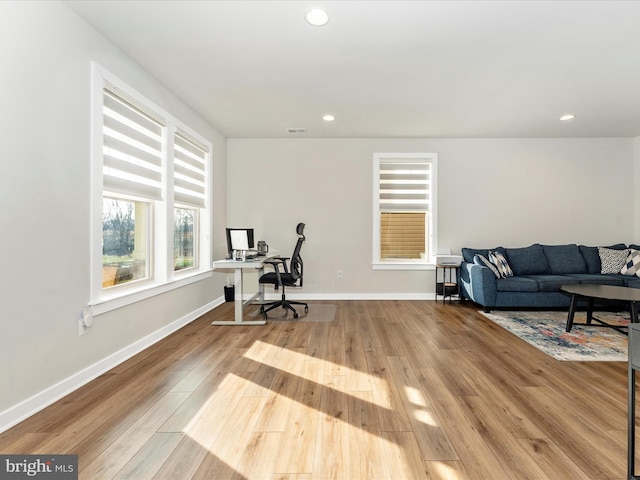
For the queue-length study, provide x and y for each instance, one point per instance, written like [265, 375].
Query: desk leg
[572, 312]
[260, 285]
[238, 306]
[239, 294]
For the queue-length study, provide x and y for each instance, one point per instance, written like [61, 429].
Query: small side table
[447, 283]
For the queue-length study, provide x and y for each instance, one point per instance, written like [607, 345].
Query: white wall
[46, 51]
[510, 192]
[636, 185]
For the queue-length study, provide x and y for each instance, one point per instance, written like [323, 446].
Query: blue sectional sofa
[538, 273]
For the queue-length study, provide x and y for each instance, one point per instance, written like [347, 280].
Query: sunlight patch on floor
[445, 472]
[425, 417]
[275, 357]
[415, 396]
[421, 414]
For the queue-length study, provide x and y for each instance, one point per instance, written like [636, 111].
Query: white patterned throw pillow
[482, 260]
[632, 264]
[612, 260]
[501, 264]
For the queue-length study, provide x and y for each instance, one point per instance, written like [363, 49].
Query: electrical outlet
[339, 273]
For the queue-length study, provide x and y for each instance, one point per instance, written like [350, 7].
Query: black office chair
[285, 276]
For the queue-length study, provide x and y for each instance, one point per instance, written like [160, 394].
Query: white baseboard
[39, 401]
[353, 296]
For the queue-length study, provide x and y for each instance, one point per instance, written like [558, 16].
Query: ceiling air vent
[297, 131]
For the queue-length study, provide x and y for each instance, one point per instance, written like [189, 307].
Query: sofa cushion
[564, 259]
[632, 264]
[611, 260]
[592, 257]
[517, 284]
[469, 253]
[484, 261]
[528, 260]
[552, 283]
[597, 279]
[499, 260]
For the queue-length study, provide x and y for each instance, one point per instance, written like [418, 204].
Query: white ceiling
[390, 68]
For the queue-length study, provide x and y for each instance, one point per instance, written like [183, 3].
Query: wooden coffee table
[601, 292]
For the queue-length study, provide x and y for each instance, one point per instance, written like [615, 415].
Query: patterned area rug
[546, 332]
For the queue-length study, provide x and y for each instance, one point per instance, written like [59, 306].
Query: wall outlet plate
[85, 321]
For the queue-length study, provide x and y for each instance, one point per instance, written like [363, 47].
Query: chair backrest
[296, 265]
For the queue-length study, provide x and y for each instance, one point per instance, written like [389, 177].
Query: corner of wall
[636, 187]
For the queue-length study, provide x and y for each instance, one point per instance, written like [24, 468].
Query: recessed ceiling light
[567, 117]
[317, 17]
[328, 118]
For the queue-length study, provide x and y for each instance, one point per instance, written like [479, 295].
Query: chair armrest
[275, 261]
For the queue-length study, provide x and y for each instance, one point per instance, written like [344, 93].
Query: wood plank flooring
[388, 390]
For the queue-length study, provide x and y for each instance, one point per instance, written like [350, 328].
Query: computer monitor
[239, 239]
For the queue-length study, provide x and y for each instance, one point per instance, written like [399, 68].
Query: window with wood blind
[404, 209]
[150, 196]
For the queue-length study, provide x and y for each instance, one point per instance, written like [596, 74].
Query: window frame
[405, 264]
[161, 222]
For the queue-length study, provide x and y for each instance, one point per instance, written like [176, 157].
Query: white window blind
[189, 172]
[404, 185]
[132, 151]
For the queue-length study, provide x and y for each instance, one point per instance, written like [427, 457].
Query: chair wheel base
[284, 305]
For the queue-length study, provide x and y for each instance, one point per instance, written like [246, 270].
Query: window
[404, 213]
[150, 192]
[131, 180]
[184, 245]
[125, 245]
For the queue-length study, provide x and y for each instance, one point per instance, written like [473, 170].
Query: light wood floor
[389, 390]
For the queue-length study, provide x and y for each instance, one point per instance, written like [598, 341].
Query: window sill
[402, 265]
[114, 301]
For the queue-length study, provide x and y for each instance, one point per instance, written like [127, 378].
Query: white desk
[239, 267]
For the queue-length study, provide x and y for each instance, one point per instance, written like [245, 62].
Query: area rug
[318, 312]
[546, 332]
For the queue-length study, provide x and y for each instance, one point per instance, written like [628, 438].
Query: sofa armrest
[478, 283]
